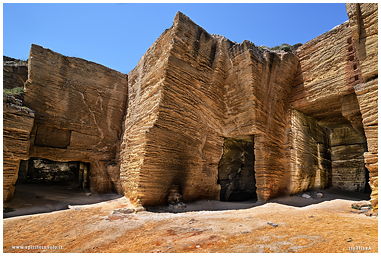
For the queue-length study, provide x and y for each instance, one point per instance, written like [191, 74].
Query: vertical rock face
[79, 108]
[145, 86]
[326, 75]
[310, 154]
[189, 98]
[363, 19]
[347, 154]
[367, 95]
[17, 125]
[15, 73]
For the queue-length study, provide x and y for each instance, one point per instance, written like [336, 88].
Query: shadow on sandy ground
[35, 198]
[39, 198]
[295, 200]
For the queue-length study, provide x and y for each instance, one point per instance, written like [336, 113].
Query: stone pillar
[83, 168]
[367, 95]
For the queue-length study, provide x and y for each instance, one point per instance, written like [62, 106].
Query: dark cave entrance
[367, 189]
[236, 169]
[47, 172]
[45, 186]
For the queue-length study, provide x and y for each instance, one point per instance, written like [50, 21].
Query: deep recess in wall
[44, 171]
[236, 169]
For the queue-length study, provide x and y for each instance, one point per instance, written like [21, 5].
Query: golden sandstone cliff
[212, 119]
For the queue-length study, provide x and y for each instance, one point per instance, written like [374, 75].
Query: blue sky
[117, 35]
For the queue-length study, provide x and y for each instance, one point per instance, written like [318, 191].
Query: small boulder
[361, 204]
[123, 211]
[139, 209]
[180, 205]
[174, 196]
[306, 196]
[272, 224]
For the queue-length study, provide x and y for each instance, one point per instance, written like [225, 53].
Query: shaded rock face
[310, 154]
[236, 169]
[347, 154]
[79, 108]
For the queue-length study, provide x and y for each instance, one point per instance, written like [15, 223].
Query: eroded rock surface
[328, 72]
[347, 154]
[363, 18]
[17, 125]
[185, 96]
[80, 106]
[368, 100]
[310, 154]
[15, 72]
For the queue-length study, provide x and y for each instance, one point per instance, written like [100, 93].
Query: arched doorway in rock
[236, 169]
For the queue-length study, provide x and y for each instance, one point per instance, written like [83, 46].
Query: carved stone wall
[17, 126]
[79, 109]
[348, 166]
[185, 97]
[363, 19]
[310, 154]
[326, 76]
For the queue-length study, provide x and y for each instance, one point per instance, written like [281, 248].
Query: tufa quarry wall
[207, 118]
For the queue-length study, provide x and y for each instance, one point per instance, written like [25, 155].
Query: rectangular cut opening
[44, 171]
[236, 174]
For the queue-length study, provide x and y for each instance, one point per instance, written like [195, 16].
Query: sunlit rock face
[79, 108]
[17, 126]
[189, 92]
[363, 19]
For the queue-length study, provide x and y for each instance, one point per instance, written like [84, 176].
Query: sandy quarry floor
[310, 225]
